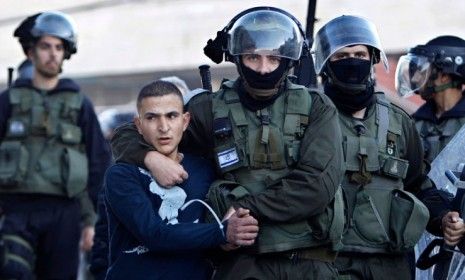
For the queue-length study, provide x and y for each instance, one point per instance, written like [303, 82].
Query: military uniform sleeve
[198, 138]
[416, 178]
[129, 146]
[311, 185]
[88, 216]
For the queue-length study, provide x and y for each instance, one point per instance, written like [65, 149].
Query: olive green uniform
[296, 183]
[384, 169]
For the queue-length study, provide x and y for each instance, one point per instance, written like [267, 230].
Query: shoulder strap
[382, 118]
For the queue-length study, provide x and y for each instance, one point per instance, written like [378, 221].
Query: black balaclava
[349, 84]
[262, 86]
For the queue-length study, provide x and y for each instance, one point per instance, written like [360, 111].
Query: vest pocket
[407, 220]
[14, 159]
[368, 220]
[70, 134]
[65, 167]
[395, 167]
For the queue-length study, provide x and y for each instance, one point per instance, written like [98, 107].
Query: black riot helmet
[259, 29]
[353, 75]
[419, 67]
[52, 23]
[264, 31]
[345, 31]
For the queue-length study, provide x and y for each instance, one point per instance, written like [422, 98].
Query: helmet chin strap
[431, 90]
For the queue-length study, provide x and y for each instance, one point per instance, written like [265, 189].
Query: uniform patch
[227, 157]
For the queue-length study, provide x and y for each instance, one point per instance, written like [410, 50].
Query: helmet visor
[412, 73]
[342, 32]
[265, 32]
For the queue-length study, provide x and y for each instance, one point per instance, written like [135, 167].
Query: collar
[427, 111]
[63, 85]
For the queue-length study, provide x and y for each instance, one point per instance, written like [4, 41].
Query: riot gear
[52, 23]
[265, 31]
[349, 82]
[259, 29]
[339, 33]
[417, 70]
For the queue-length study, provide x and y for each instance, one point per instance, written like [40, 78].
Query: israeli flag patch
[227, 157]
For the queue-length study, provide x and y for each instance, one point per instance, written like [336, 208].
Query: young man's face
[47, 56]
[161, 122]
[261, 63]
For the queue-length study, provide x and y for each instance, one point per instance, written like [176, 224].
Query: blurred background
[124, 44]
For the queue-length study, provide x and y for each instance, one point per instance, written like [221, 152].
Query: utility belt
[324, 254]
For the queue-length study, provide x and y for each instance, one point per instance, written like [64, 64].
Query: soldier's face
[260, 63]
[161, 122]
[47, 56]
[357, 51]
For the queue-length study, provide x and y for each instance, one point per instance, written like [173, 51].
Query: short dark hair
[156, 89]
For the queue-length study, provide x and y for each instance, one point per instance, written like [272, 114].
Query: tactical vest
[253, 150]
[42, 151]
[382, 217]
[435, 137]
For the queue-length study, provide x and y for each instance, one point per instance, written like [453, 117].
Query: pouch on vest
[75, 171]
[221, 195]
[368, 220]
[14, 160]
[70, 134]
[407, 221]
[395, 167]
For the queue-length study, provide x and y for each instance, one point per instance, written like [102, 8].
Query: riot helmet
[345, 31]
[417, 70]
[349, 80]
[265, 31]
[52, 23]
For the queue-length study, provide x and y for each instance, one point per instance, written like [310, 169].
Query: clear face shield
[266, 32]
[412, 73]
